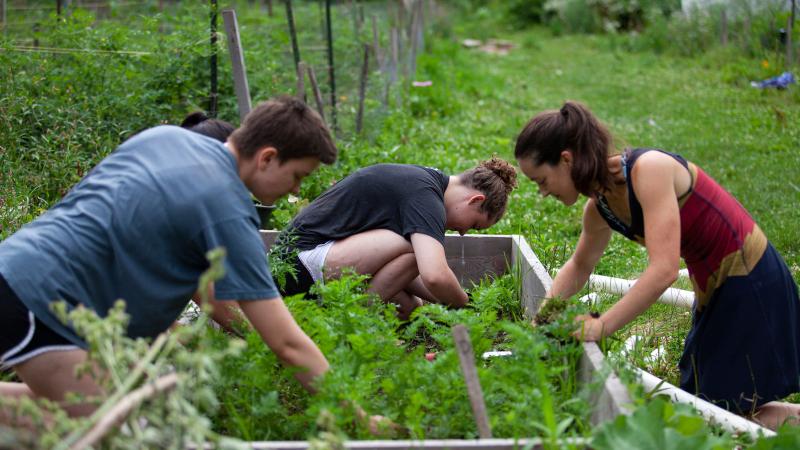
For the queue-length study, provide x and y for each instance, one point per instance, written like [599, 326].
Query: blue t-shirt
[137, 228]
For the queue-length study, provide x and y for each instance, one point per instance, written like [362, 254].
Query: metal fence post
[212, 98]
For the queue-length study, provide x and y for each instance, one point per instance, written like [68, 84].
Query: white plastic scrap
[591, 298]
[634, 341]
[496, 354]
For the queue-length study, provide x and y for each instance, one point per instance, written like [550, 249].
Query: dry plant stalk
[120, 411]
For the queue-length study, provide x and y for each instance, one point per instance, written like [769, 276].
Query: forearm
[225, 313]
[653, 282]
[445, 289]
[301, 352]
[569, 280]
[278, 329]
[417, 288]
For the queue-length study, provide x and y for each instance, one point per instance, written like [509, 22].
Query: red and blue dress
[743, 349]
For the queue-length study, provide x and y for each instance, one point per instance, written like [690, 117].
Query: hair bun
[504, 171]
[194, 119]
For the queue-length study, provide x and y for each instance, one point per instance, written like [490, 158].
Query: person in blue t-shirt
[138, 226]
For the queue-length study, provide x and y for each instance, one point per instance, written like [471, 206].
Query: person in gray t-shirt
[394, 229]
[138, 226]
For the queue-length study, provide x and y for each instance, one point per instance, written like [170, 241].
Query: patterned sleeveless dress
[743, 349]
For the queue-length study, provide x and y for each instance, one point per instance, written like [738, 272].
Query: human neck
[245, 170]
[455, 190]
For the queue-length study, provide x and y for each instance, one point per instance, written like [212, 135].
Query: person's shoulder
[653, 159]
[161, 131]
[158, 133]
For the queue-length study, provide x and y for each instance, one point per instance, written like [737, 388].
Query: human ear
[266, 155]
[566, 157]
[476, 199]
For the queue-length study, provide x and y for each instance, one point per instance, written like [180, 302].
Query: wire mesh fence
[355, 88]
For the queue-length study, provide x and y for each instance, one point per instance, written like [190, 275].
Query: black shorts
[299, 285]
[24, 336]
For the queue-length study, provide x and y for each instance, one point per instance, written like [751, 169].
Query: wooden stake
[420, 41]
[292, 35]
[312, 77]
[4, 10]
[395, 50]
[269, 7]
[331, 71]
[412, 42]
[301, 81]
[212, 97]
[723, 24]
[789, 43]
[351, 7]
[376, 44]
[392, 78]
[237, 60]
[464, 347]
[362, 90]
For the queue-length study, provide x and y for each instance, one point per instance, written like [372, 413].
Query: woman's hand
[378, 425]
[590, 329]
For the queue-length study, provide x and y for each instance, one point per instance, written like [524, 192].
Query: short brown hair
[494, 178]
[572, 127]
[288, 125]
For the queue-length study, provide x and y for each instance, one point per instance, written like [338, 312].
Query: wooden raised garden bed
[472, 258]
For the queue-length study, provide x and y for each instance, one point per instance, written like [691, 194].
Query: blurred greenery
[657, 79]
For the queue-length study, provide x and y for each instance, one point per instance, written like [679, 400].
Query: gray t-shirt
[137, 228]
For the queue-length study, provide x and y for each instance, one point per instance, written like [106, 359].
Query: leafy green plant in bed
[660, 425]
[379, 363]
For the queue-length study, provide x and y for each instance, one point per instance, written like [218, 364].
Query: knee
[409, 262]
[396, 243]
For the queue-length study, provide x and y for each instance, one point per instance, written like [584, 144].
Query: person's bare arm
[225, 313]
[593, 241]
[653, 181]
[417, 288]
[278, 329]
[434, 272]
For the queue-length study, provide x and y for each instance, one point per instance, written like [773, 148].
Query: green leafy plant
[660, 425]
[121, 366]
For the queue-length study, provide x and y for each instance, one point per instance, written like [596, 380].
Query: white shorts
[314, 259]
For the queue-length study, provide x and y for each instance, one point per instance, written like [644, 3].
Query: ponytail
[574, 128]
[202, 124]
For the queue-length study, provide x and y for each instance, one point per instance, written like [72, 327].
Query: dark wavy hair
[290, 126]
[574, 128]
[494, 178]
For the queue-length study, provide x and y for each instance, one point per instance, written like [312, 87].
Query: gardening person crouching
[138, 227]
[388, 221]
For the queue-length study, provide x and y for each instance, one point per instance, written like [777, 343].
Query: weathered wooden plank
[475, 256]
[467, 359]
[237, 60]
[612, 399]
[535, 281]
[430, 444]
